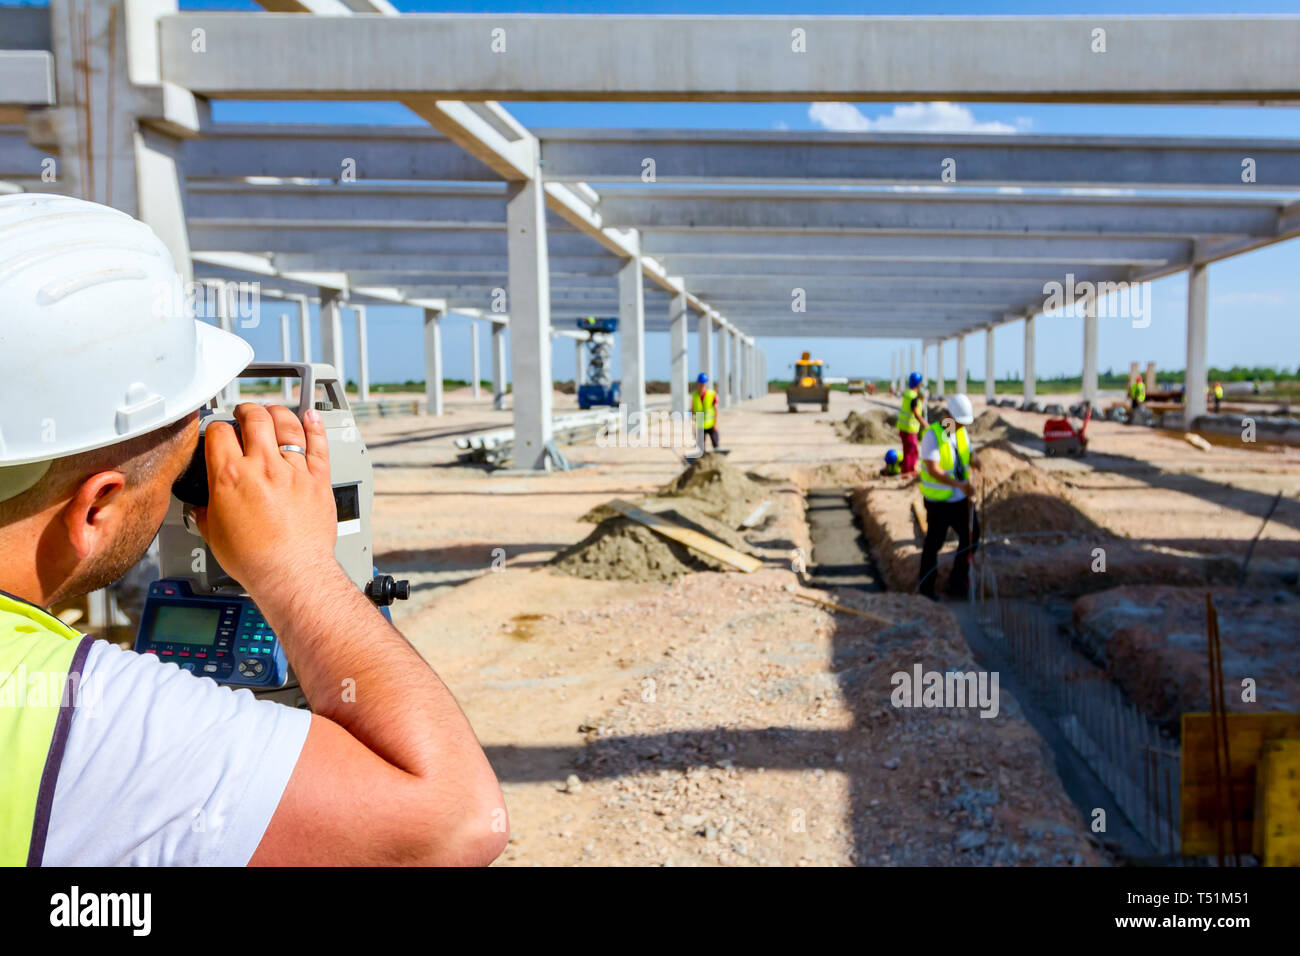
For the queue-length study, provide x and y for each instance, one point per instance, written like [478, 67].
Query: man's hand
[269, 511]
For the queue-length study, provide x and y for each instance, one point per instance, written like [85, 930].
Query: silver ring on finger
[298, 448]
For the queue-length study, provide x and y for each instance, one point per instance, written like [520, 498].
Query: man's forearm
[356, 669]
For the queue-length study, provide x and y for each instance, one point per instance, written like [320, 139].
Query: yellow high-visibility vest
[40, 668]
[1139, 390]
[1218, 391]
[907, 422]
[705, 408]
[931, 488]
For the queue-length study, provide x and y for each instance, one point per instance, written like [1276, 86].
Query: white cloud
[936, 117]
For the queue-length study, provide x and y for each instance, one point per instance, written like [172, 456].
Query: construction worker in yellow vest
[911, 419]
[1137, 394]
[946, 488]
[704, 405]
[1218, 395]
[108, 757]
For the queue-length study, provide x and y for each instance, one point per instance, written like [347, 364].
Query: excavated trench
[842, 557]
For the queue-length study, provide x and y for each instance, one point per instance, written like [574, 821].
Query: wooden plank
[1277, 817]
[687, 536]
[847, 610]
[1247, 735]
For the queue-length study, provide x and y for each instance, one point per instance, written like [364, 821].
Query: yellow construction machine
[808, 387]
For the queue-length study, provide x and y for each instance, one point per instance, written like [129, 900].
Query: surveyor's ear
[94, 512]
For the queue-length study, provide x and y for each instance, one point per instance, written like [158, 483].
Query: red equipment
[1060, 437]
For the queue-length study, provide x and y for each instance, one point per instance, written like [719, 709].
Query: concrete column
[530, 317]
[724, 368]
[1088, 387]
[579, 355]
[475, 371]
[938, 368]
[1030, 392]
[704, 334]
[961, 364]
[990, 375]
[746, 370]
[911, 360]
[222, 293]
[893, 370]
[433, 362]
[286, 355]
[734, 365]
[331, 330]
[108, 119]
[679, 374]
[304, 328]
[498, 365]
[631, 331]
[1198, 327]
[363, 355]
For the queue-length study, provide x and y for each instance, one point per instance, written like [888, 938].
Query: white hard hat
[959, 407]
[97, 340]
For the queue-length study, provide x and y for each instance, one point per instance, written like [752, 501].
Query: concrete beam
[872, 158]
[928, 212]
[1146, 59]
[341, 154]
[26, 78]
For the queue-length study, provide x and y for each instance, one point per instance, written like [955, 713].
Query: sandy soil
[713, 719]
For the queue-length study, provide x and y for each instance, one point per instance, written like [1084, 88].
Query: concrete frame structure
[444, 218]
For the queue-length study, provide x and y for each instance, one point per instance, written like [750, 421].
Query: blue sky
[1254, 299]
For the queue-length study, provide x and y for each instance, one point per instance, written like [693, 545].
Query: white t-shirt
[930, 452]
[162, 768]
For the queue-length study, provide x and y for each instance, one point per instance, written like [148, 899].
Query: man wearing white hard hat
[946, 464]
[101, 376]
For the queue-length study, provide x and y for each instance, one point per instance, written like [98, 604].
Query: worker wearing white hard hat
[135, 761]
[946, 463]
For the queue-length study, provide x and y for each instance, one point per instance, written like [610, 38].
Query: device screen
[347, 503]
[185, 625]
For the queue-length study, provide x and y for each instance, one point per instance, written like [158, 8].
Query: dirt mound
[872, 427]
[722, 490]
[1152, 640]
[1030, 501]
[711, 496]
[997, 463]
[620, 549]
[989, 426]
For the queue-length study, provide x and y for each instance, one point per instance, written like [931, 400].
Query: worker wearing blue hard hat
[704, 407]
[892, 464]
[911, 419]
